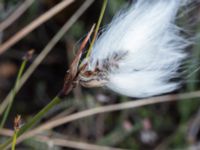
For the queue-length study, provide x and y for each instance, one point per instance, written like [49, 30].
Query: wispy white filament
[153, 48]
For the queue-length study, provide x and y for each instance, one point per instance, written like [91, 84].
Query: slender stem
[97, 26]
[16, 14]
[33, 121]
[39, 115]
[5, 116]
[14, 139]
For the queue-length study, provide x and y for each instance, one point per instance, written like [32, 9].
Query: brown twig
[16, 14]
[74, 144]
[64, 142]
[109, 108]
[30, 27]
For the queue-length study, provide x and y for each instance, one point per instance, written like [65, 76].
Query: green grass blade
[33, 121]
[97, 26]
[7, 111]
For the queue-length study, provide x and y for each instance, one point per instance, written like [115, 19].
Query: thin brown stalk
[16, 14]
[74, 144]
[46, 50]
[64, 113]
[6, 132]
[109, 108]
[30, 27]
[64, 142]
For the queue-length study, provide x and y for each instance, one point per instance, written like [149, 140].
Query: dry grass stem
[6, 132]
[40, 20]
[64, 113]
[63, 142]
[46, 50]
[109, 108]
[16, 14]
[74, 144]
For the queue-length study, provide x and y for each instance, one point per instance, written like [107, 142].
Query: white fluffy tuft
[154, 46]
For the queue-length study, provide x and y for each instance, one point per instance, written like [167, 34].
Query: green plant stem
[14, 139]
[97, 26]
[7, 111]
[33, 121]
[39, 115]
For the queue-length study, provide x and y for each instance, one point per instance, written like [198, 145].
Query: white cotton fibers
[141, 49]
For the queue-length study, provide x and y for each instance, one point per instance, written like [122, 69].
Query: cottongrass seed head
[140, 52]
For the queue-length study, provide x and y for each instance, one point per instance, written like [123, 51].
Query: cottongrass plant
[137, 55]
[140, 52]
